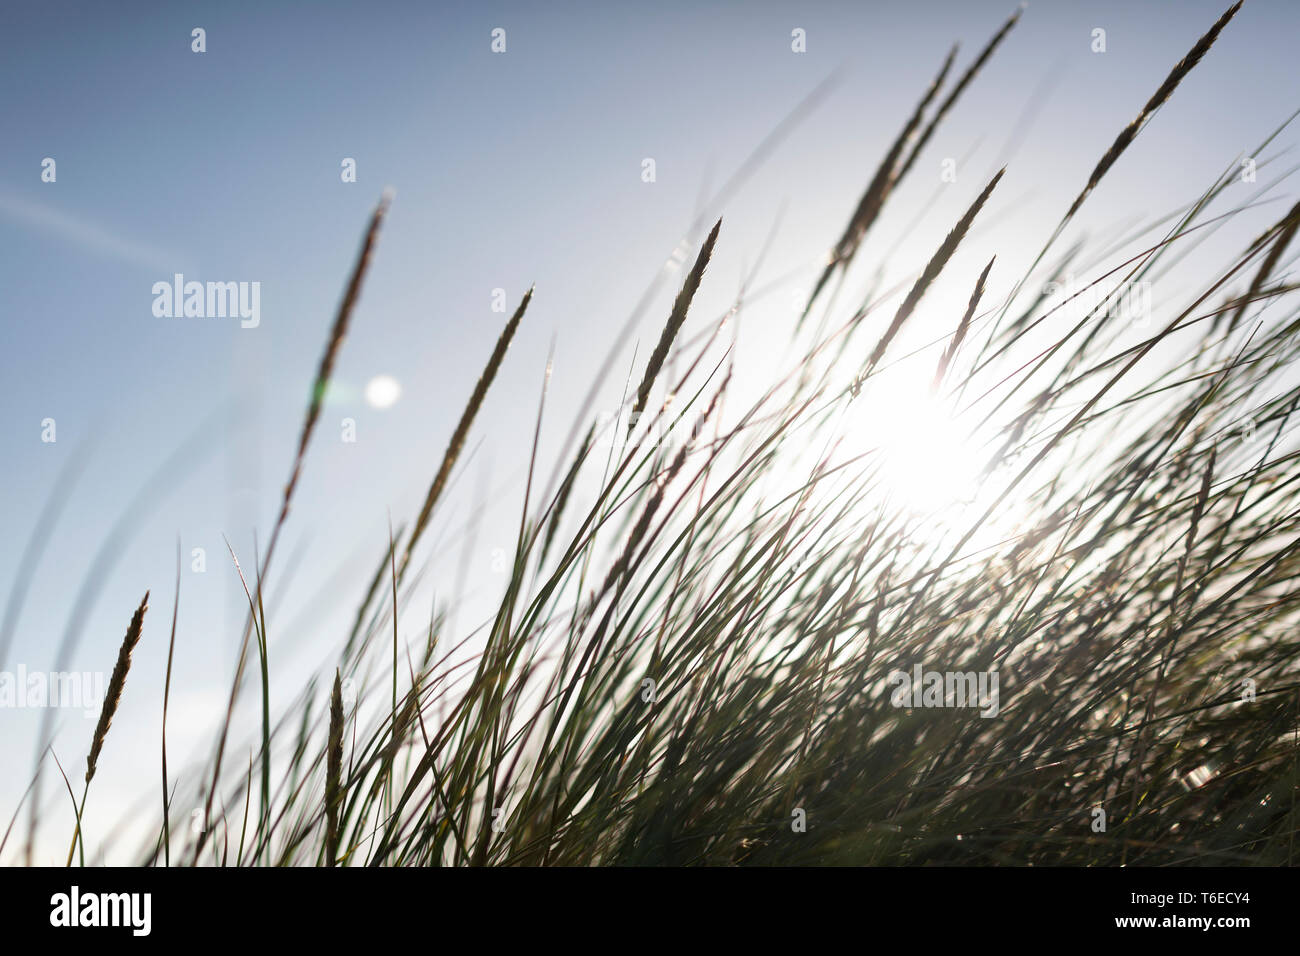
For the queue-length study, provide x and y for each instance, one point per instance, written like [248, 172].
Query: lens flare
[383, 391]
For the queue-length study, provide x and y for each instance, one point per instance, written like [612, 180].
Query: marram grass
[699, 646]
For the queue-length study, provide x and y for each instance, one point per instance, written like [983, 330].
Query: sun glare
[928, 460]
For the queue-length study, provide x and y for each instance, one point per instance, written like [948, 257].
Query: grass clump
[695, 653]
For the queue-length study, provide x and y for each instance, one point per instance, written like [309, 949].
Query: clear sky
[510, 168]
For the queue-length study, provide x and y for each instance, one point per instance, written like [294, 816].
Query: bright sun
[929, 461]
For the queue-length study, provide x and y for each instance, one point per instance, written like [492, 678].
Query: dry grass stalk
[675, 321]
[1129, 133]
[337, 333]
[334, 772]
[1286, 231]
[931, 272]
[116, 683]
[326, 369]
[962, 327]
[957, 90]
[458, 437]
[878, 190]
[112, 697]
[1122, 142]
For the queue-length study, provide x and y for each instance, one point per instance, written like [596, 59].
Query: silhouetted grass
[691, 659]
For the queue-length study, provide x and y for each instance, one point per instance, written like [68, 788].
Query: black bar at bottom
[564, 907]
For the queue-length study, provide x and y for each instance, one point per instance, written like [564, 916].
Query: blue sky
[509, 169]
